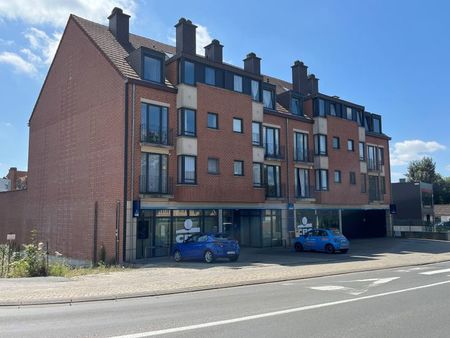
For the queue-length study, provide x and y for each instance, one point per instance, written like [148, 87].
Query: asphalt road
[403, 302]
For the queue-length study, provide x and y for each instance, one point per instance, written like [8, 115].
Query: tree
[423, 170]
[441, 190]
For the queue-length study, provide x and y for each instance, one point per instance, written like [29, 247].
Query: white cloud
[410, 150]
[395, 176]
[56, 12]
[43, 44]
[203, 38]
[8, 124]
[4, 42]
[18, 63]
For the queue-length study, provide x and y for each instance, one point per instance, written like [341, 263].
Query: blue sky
[390, 56]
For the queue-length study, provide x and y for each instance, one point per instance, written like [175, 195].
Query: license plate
[231, 252]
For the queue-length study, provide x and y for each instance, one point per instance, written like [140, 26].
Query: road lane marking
[434, 272]
[355, 291]
[274, 313]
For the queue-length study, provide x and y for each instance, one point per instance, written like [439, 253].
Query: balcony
[275, 191]
[273, 151]
[155, 185]
[373, 165]
[154, 135]
[306, 156]
[306, 193]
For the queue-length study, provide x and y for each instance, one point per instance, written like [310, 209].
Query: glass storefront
[320, 218]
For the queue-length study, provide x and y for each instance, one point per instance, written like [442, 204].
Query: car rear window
[335, 232]
[223, 236]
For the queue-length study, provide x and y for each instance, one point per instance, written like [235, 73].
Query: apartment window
[238, 168]
[256, 133]
[272, 179]
[374, 188]
[350, 145]
[362, 153]
[272, 141]
[189, 72]
[373, 161]
[237, 125]
[213, 166]
[337, 176]
[268, 99]
[213, 121]
[332, 109]
[321, 180]
[186, 122]
[380, 152]
[154, 169]
[383, 185]
[154, 124]
[302, 189]
[237, 83]
[376, 125]
[257, 174]
[301, 147]
[153, 69]
[255, 90]
[210, 76]
[352, 177]
[336, 142]
[348, 113]
[321, 108]
[187, 173]
[296, 109]
[360, 118]
[363, 183]
[320, 144]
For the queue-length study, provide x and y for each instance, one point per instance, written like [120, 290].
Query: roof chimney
[300, 77]
[252, 64]
[213, 51]
[313, 84]
[119, 25]
[185, 37]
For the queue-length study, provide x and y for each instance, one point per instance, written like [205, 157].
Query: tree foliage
[424, 170]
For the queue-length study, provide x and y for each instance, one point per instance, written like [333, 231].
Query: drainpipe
[133, 99]
[125, 175]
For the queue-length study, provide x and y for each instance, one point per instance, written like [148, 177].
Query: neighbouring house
[442, 212]
[414, 203]
[5, 184]
[135, 143]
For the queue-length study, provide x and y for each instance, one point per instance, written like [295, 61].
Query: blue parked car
[207, 247]
[328, 240]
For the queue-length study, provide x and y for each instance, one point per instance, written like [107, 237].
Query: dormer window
[237, 83]
[268, 99]
[255, 90]
[296, 108]
[210, 76]
[189, 72]
[152, 69]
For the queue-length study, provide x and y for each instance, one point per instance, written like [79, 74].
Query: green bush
[58, 269]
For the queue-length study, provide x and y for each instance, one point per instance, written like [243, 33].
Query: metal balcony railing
[273, 151]
[155, 185]
[275, 191]
[304, 192]
[153, 134]
[306, 156]
[373, 165]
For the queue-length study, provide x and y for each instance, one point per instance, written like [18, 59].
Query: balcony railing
[273, 151]
[306, 156]
[304, 193]
[155, 185]
[373, 165]
[153, 134]
[275, 191]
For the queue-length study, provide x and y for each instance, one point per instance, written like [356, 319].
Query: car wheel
[344, 251]
[329, 249]
[234, 258]
[209, 257]
[177, 256]
[298, 247]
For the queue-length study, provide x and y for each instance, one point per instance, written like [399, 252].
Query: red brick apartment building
[130, 138]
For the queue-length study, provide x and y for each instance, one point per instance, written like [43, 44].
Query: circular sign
[304, 220]
[188, 224]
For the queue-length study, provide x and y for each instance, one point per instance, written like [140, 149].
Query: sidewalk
[163, 276]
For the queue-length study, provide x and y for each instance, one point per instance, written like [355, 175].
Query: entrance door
[144, 238]
[161, 236]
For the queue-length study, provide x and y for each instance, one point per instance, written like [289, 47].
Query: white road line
[271, 314]
[434, 272]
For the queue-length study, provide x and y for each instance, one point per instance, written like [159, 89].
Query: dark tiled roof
[282, 86]
[442, 209]
[113, 50]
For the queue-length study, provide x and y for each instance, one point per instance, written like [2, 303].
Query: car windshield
[222, 235]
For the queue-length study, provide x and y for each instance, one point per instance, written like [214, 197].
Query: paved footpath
[163, 276]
